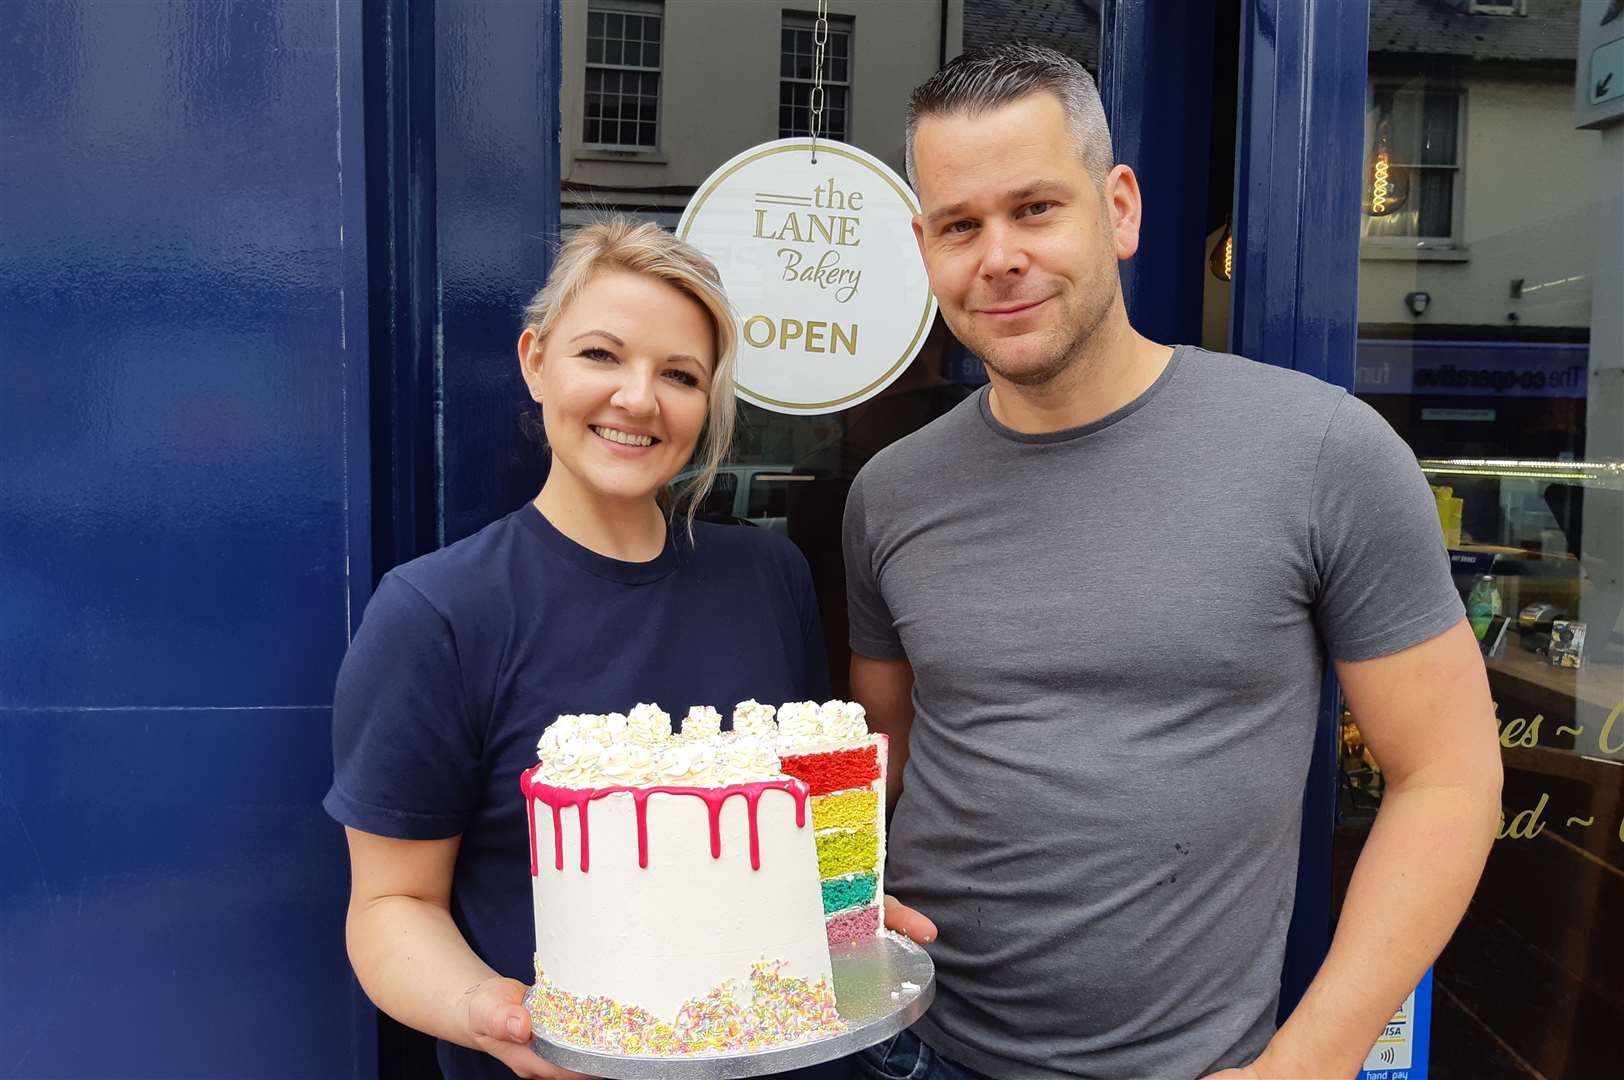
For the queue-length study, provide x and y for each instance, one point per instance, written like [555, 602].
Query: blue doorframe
[1300, 128]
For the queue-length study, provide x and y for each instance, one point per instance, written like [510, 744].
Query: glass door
[1488, 336]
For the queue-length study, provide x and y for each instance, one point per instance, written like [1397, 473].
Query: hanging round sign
[822, 268]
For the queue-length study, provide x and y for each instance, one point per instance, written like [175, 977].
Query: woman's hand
[499, 1025]
[908, 922]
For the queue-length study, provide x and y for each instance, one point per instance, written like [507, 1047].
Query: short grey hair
[983, 79]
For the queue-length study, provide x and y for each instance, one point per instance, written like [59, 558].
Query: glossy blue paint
[462, 149]
[1155, 77]
[497, 212]
[404, 309]
[183, 532]
[1300, 125]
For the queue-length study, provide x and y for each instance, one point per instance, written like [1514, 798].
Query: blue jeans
[905, 1057]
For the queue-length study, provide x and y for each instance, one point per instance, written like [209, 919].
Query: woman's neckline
[603, 566]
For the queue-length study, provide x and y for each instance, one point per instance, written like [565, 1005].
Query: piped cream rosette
[639, 749]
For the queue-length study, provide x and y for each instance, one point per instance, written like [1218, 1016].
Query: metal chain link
[820, 38]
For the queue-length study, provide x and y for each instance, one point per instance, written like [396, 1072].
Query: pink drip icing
[586, 842]
[530, 806]
[714, 805]
[751, 799]
[557, 798]
[640, 797]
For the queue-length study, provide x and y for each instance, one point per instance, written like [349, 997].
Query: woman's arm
[413, 962]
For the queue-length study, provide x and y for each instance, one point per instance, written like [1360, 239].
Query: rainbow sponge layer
[848, 824]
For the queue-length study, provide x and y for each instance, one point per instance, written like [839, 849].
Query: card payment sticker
[1400, 1052]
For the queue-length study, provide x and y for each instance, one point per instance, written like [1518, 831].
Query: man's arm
[1427, 717]
[884, 688]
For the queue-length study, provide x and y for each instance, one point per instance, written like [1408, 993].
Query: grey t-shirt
[1118, 634]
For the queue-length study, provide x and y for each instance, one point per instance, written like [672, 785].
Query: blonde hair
[617, 243]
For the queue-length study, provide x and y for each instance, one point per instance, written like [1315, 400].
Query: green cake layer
[841, 893]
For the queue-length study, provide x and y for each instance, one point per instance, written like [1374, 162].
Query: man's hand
[908, 922]
[500, 1026]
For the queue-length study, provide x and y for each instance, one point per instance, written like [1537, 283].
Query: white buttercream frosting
[805, 727]
[702, 722]
[843, 720]
[753, 718]
[638, 749]
[799, 719]
[649, 725]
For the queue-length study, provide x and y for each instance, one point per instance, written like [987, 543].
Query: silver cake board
[882, 985]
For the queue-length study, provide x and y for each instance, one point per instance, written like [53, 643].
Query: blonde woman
[589, 599]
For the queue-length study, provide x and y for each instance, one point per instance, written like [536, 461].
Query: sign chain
[820, 38]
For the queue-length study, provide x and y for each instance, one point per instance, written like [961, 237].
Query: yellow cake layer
[854, 852]
[846, 809]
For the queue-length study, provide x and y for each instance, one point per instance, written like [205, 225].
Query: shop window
[1501, 374]
[1414, 174]
[796, 65]
[623, 76]
[719, 501]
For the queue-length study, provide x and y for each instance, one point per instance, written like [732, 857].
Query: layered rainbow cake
[675, 886]
[829, 748]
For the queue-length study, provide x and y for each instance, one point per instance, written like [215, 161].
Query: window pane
[719, 501]
[1436, 203]
[615, 25]
[651, 29]
[1439, 111]
[594, 24]
[837, 69]
[613, 52]
[1406, 128]
[592, 131]
[651, 55]
[594, 51]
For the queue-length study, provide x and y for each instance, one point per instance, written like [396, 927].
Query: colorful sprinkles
[782, 1010]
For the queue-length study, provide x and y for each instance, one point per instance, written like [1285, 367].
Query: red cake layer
[835, 770]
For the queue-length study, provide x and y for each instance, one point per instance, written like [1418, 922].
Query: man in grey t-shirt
[1093, 605]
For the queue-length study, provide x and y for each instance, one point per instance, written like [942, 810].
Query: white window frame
[1497, 7]
[1420, 246]
[646, 9]
[796, 20]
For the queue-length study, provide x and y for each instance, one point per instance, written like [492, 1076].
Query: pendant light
[1386, 187]
[1222, 259]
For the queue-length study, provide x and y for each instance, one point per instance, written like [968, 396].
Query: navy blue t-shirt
[466, 655]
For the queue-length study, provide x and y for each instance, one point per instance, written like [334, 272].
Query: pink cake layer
[854, 925]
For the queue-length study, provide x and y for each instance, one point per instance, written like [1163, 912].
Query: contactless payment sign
[1401, 1049]
[820, 262]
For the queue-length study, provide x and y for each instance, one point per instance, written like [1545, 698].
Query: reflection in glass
[1511, 402]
